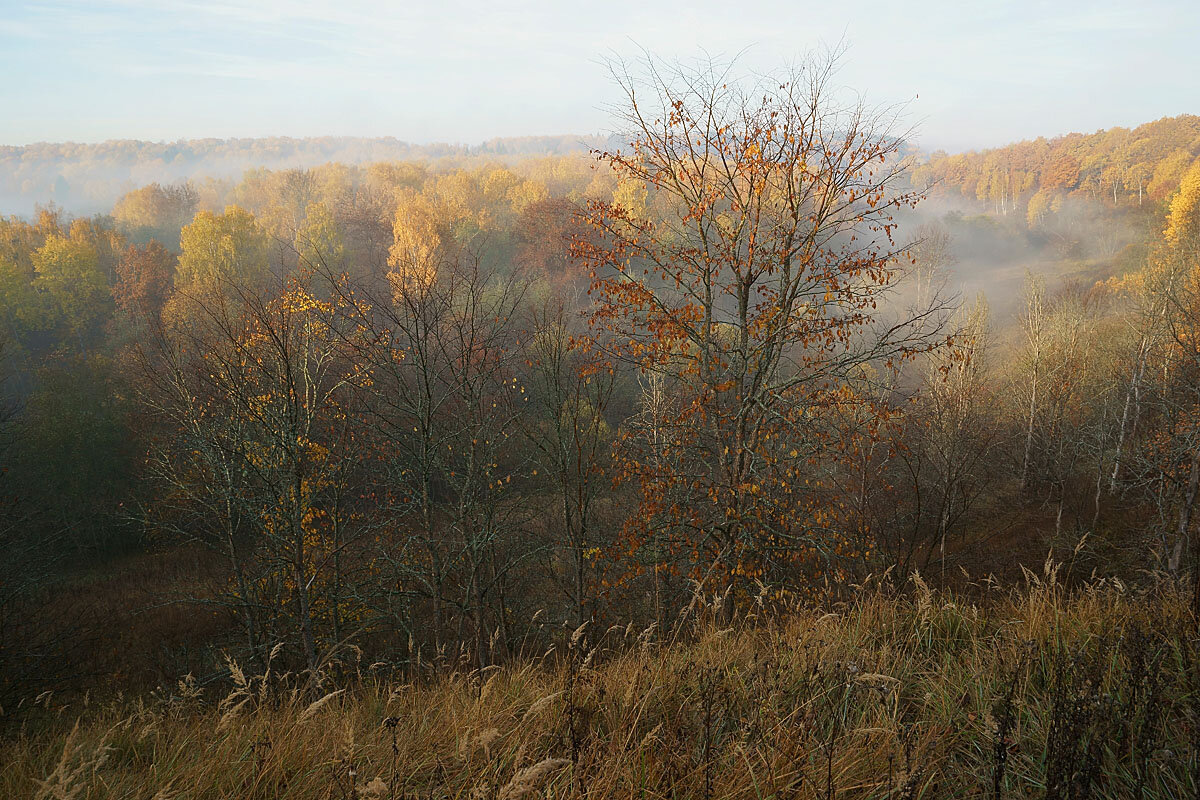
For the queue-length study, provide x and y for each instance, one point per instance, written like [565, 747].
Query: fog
[85, 179]
[992, 255]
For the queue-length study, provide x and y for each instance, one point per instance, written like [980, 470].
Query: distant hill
[88, 178]
[1116, 167]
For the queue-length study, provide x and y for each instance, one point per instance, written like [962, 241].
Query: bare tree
[572, 390]
[747, 261]
[254, 392]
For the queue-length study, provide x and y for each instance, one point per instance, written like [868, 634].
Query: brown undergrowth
[910, 693]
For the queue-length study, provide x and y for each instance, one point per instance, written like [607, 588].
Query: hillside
[1117, 167]
[896, 695]
[637, 473]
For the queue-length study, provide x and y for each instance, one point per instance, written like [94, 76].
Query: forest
[876, 470]
[89, 178]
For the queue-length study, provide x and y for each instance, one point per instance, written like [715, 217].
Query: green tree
[68, 273]
[156, 212]
[218, 248]
[319, 240]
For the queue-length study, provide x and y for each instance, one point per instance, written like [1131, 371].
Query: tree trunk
[1029, 435]
[308, 640]
[1185, 516]
[1129, 400]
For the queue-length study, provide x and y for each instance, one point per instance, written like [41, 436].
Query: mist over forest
[84, 179]
[752, 441]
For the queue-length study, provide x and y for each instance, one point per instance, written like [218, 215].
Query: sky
[971, 74]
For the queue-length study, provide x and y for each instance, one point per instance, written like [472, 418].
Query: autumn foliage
[440, 413]
[742, 273]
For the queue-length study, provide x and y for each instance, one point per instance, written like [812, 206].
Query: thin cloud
[984, 73]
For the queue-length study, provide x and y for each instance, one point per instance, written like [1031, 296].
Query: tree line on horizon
[88, 178]
[1116, 167]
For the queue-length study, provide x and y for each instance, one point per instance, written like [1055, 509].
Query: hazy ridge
[89, 178]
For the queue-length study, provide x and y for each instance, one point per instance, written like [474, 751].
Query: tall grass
[897, 694]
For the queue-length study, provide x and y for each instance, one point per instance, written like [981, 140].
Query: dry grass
[910, 695]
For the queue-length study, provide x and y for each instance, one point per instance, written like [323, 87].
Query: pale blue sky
[982, 73]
